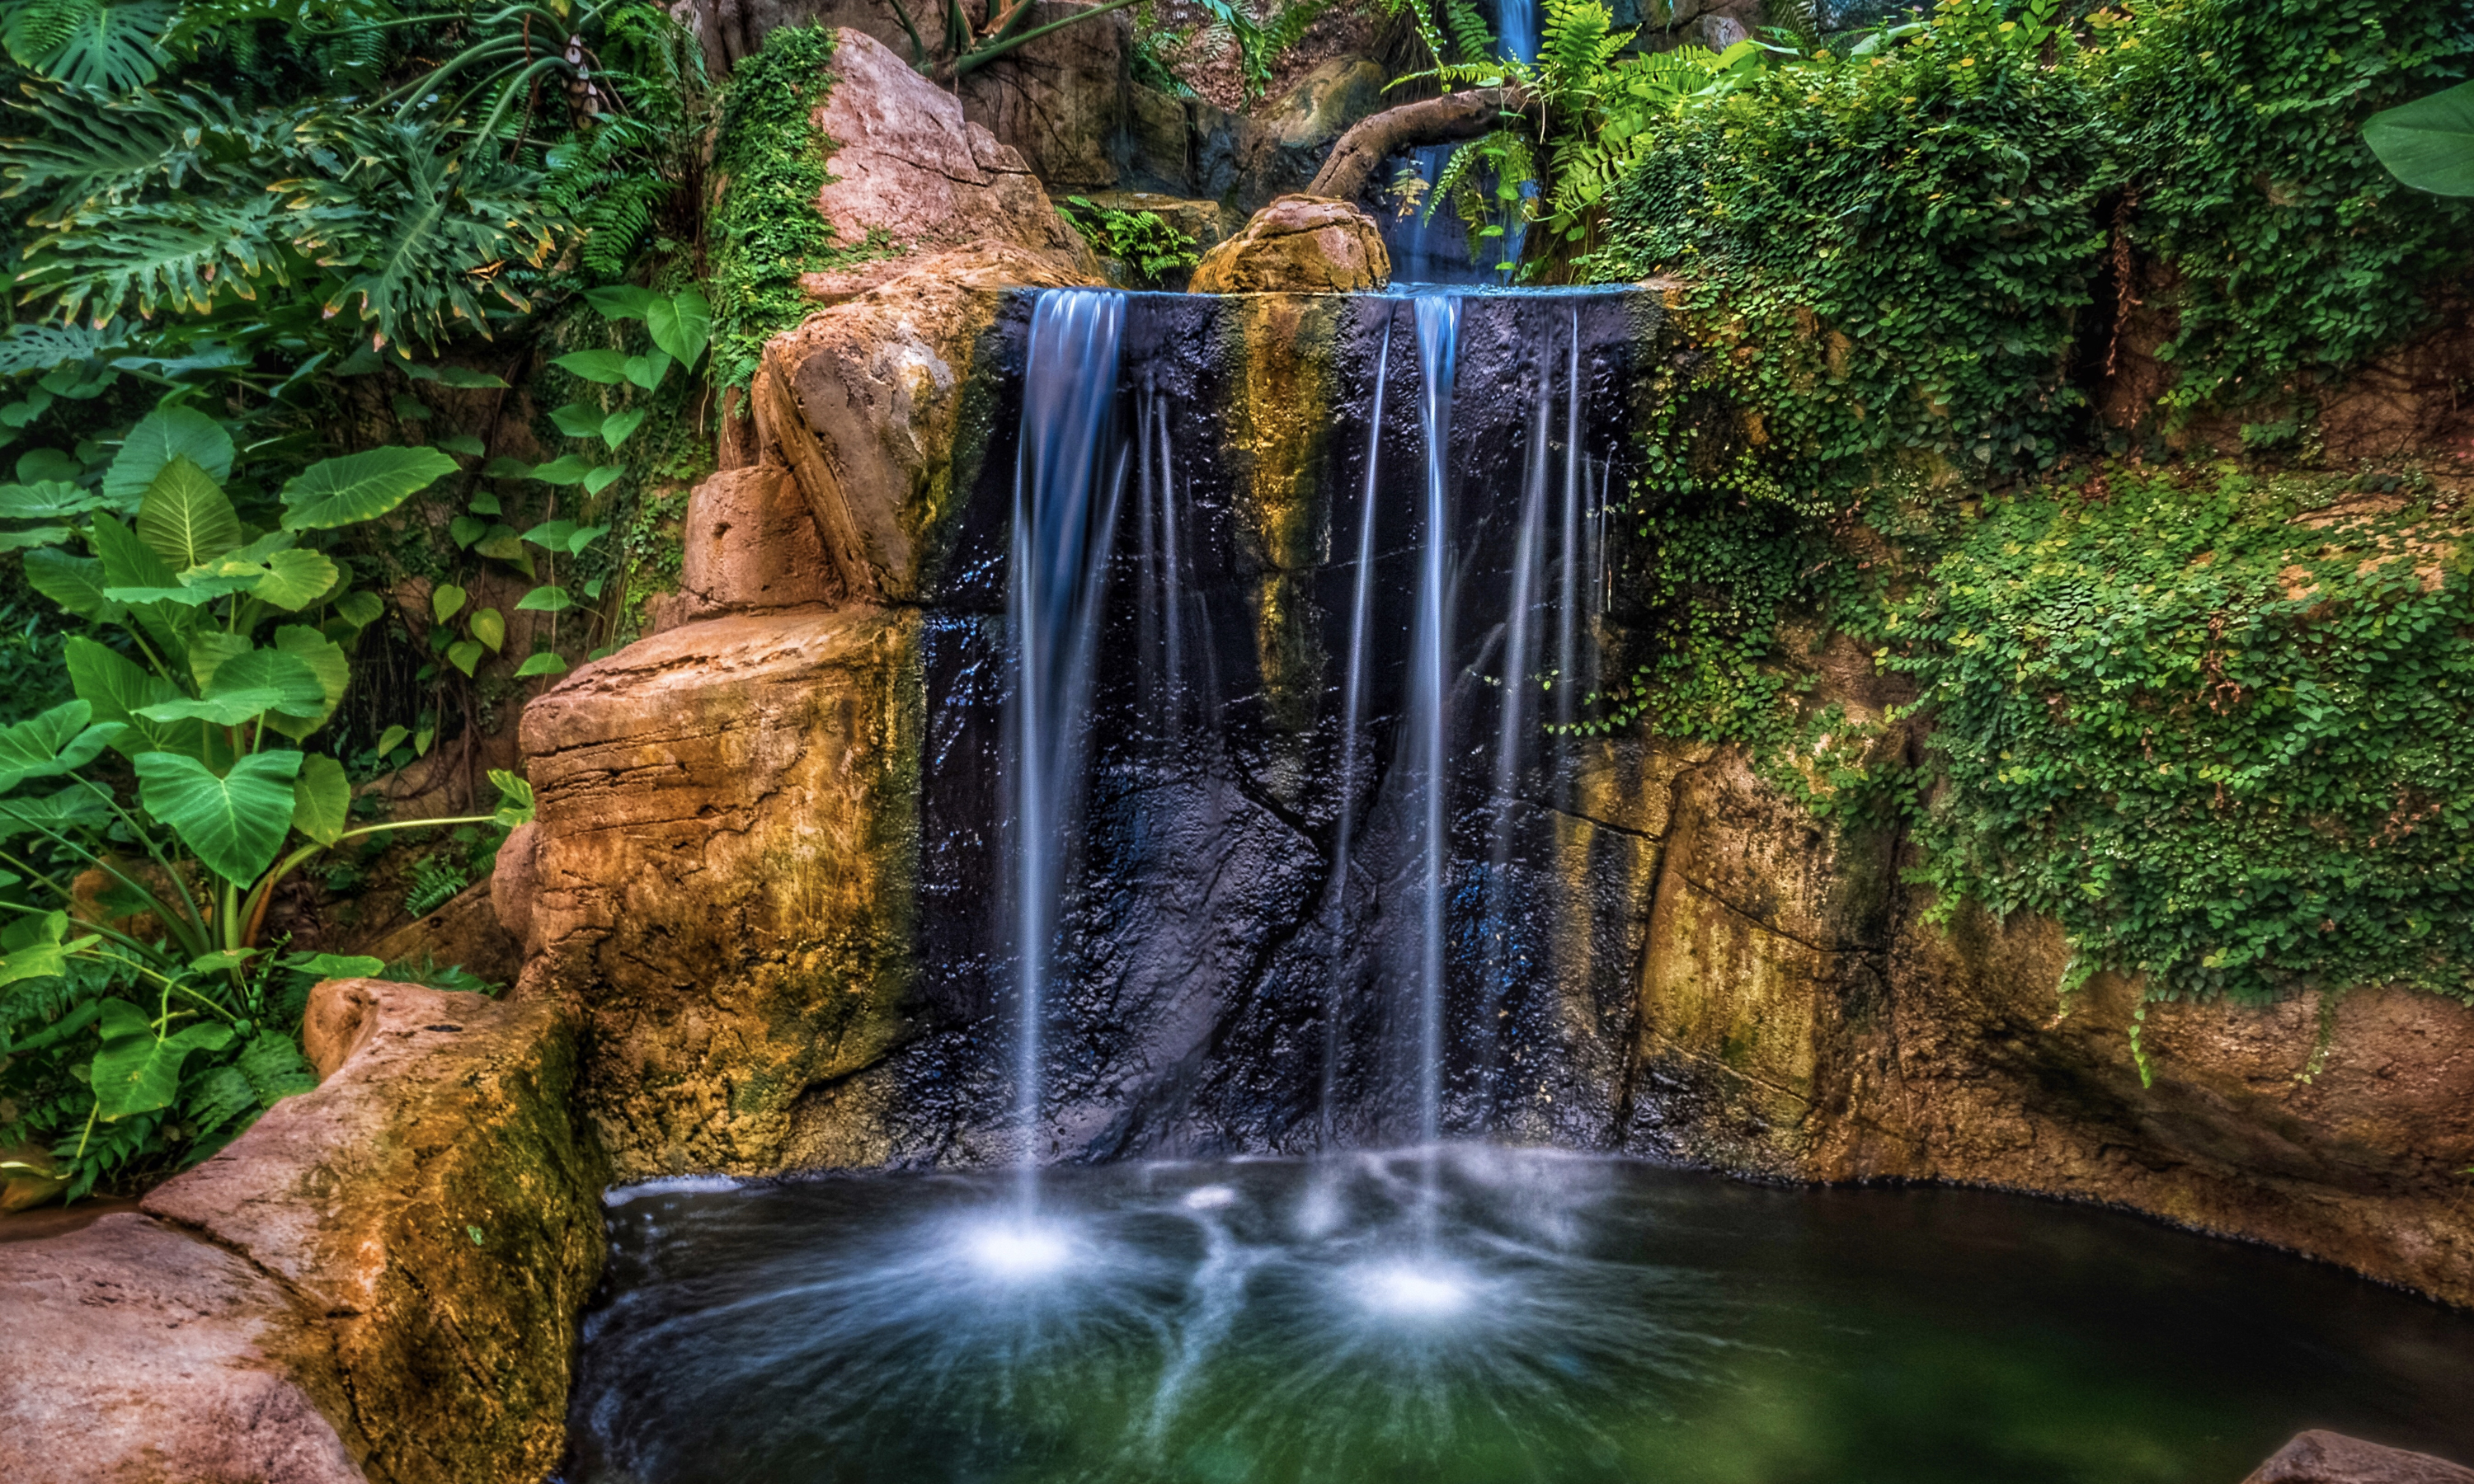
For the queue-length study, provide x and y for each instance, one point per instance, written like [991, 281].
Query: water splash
[1063, 533]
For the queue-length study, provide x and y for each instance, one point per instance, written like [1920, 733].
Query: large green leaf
[234, 823]
[73, 808]
[158, 437]
[47, 499]
[326, 660]
[106, 45]
[209, 650]
[138, 1072]
[117, 689]
[295, 579]
[128, 562]
[59, 741]
[74, 584]
[606, 367]
[184, 518]
[2428, 143]
[681, 325]
[359, 485]
[247, 685]
[322, 800]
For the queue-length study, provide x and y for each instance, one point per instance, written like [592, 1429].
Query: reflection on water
[1569, 1319]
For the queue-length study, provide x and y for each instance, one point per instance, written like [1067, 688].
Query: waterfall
[1430, 723]
[1514, 722]
[1063, 526]
[1519, 39]
[1361, 605]
[1569, 596]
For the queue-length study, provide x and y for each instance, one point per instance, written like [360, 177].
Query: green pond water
[1470, 1314]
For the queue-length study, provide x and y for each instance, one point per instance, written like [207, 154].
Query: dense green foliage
[260, 242]
[1895, 261]
[1885, 255]
[143, 1018]
[1142, 240]
[764, 230]
[2294, 253]
[2220, 727]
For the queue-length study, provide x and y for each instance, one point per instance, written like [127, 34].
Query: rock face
[1800, 1017]
[909, 164]
[134, 1351]
[2333, 1458]
[378, 1282]
[874, 405]
[751, 547]
[719, 866]
[1299, 245]
[1326, 102]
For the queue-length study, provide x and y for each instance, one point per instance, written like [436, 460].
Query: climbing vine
[2220, 727]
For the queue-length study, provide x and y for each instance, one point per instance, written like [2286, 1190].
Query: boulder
[1326, 102]
[749, 544]
[866, 404]
[134, 1351]
[378, 1282]
[721, 860]
[908, 163]
[2317, 1458]
[432, 1218]
[1299, 245]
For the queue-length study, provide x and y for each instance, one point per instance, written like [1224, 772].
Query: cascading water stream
[1512, 723]
[1061, 537]
[1428, 727]
[1360, 605]
[1569, 596]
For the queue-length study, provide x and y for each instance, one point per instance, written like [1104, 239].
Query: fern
[1471, 34]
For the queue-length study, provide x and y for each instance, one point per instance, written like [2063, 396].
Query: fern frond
[1471, 37]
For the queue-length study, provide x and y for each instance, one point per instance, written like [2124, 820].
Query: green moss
[764, 229]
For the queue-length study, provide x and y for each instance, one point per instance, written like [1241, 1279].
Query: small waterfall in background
[1069, 479]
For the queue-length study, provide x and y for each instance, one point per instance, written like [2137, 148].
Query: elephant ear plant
[145, 824]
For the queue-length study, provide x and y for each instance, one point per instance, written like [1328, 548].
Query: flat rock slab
[2318, 1457]
[132, 1351]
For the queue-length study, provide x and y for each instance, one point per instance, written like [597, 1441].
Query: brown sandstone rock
[909, 164]
[1299, 245]
[723, 856]
[749, 545]
[130, 1353]
[430, 1210]
[865, 402]
[2317, 1458]
[1326, 101]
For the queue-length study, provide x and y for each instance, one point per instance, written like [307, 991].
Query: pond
[1467, 1314]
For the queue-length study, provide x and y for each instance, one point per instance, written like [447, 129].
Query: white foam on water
[1018, 1251]
[1209, 1198]
[673, 1184]
[1411, 1290]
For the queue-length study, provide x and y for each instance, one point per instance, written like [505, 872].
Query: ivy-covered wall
[2206, 715]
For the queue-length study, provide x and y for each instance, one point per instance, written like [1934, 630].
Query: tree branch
[1445, 120]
